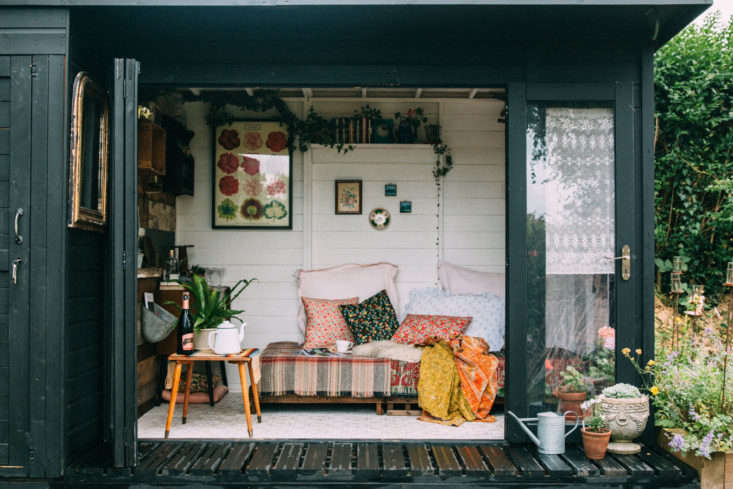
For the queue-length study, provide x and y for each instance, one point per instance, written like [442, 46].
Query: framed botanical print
[348, 196]
[252, 176]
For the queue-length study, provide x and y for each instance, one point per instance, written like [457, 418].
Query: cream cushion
[344, 281]
[460, 280]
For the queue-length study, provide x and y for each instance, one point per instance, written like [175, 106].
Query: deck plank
[340, 466]
[157, 458]
[662, 466]
[446, 461]
[287, 463]
[315, 458]
[183, 459]
[210, 460]
[636, 467]
[393, 461]
[527, 464]
[234, 461]
[367, 461]
[611, 467]
[555, 465]
[580, 463]
[144, 448]
[500, 463]
[472, 460]
[260, 462]
[420, 463]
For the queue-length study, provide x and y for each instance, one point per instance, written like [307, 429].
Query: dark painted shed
[61, 399]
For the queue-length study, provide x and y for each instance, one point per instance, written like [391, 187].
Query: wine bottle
[171, 269]
[185, 327]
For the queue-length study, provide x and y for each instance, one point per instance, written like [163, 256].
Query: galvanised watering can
[551, 434]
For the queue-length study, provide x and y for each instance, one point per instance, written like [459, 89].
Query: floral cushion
[371, 320]
[325, 324]
[487, 311]
[417, 328]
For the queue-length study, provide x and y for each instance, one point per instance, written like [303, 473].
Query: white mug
[343, 346]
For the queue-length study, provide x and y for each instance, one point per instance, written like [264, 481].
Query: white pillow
[460, 280]
[343, 281]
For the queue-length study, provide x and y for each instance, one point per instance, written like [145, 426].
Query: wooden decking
[351, 463]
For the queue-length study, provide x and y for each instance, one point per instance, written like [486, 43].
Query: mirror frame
[93, 219]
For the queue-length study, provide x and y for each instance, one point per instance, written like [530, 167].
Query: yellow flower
[650, 363]
[626, 351]
[638, 351]
[654, 390]
[647, 368]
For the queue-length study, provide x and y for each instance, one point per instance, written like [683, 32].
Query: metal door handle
[14, 271]
[18, 236]
[625, 261]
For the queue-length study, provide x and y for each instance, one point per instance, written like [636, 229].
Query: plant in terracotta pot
[572, 392]
[595, 432]
[210, 306]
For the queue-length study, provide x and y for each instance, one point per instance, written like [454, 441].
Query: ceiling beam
[418, 93]
[473, 93]
[308, 92]
[363, 92]
[249, 91]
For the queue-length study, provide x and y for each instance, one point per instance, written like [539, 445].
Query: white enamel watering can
[227, 338]
[551, 434]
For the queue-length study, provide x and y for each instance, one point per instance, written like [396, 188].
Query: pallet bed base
[284, 462]
[392, 403]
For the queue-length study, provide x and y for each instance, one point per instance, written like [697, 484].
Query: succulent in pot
[595, 432]
[572, 392]
[625, 411]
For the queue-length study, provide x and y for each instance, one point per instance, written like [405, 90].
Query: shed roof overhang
[659, 19]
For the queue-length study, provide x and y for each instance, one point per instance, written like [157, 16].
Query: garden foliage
[694, 153]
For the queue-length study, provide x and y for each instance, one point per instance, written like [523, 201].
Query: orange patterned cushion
[417, 328]
[324, 322]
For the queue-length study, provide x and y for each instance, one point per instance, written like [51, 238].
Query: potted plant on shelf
[595, 432]
[408, 124]
[625, 411]
[572, 392]
[210, 306]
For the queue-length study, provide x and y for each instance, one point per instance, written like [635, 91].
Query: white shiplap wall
[472, 222]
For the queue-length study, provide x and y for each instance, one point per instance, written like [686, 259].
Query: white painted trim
[307, 200]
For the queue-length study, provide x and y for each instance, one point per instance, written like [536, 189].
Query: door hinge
[124, 260]
[34, 70]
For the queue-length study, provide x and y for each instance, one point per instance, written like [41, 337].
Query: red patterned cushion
[416, 328]
[324, 322]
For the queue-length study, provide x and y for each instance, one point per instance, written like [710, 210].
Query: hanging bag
[157, 323]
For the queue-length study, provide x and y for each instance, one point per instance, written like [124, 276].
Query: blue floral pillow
[371, 320]
[487, 311]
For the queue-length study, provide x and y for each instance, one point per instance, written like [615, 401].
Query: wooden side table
[240, 359]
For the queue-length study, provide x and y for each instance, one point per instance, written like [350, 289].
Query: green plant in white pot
[210, 306]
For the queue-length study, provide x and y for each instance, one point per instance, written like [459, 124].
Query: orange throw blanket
[477, 369]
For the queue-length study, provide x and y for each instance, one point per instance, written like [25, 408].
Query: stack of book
[353, 130]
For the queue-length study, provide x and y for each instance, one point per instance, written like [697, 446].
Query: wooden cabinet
[151, 141]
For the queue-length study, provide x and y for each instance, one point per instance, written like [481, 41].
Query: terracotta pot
[571, 401]
[716, 473]
[595, 444]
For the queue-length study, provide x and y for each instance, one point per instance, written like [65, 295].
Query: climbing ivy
[693, 150]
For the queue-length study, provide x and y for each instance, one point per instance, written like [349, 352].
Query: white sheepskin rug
[389, 349]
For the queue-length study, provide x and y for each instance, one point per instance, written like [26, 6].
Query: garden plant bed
[272, 463]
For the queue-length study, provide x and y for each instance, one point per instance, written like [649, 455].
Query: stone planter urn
[626, 418]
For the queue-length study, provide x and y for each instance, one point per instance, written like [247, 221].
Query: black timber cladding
[265, 463]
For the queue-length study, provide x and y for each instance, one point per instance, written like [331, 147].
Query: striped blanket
[286, 371]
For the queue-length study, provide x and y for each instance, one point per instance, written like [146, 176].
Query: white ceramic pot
[201, 339]
[626, 418]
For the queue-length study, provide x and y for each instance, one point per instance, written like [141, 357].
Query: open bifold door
[122, 283]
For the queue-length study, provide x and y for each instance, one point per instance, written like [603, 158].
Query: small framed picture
[405, 207]
[390, 190]
[348, 197]
[383, 131]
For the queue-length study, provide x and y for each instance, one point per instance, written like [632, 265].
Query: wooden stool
[240, 359]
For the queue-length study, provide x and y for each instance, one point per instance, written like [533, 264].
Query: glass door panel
[570, 239]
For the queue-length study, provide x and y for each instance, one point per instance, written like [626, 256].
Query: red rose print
[276, 187]
[253, 141]
[252, 209]
[228, 163]
[251, 166]
[229, 139]
[228, 185]
[277, 141]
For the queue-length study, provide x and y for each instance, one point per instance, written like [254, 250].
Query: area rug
[226, 420]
